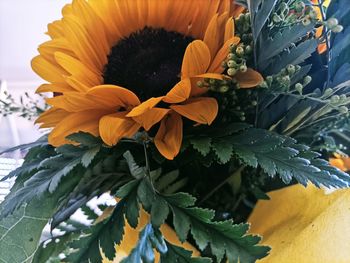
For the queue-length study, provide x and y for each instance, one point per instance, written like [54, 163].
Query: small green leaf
[202, 145]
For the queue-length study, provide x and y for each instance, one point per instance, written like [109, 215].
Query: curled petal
[112, 96]
[86, 121]
[144, 106]
[51, 117]
[202, 110]
[249, 79]
[115, 126]
[151, 117]
[169, 136]
[179, 93]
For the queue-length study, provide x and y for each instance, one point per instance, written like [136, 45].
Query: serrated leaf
[135, 170]
[223, 150]
[89, 156]
[277, 154]
[202, 145]
[180, 255]
[159, 212]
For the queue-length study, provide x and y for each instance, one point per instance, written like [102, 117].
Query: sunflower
[121, 66]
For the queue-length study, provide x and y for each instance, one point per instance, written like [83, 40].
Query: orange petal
[212, 37]
[51, 117]
[179, 93]
[144, 106]
[229, 29]
[249, 79]
[322, 48]
[112, 96]
[86, 121]
[151, 117]
[196, 59]
[215, 66]
[115, 126]
[77, 69]
[169, 136]
[47, 71]
[202, 110]
[74, 102]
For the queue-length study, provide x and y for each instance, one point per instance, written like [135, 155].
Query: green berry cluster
[292, 13]
[283, 81]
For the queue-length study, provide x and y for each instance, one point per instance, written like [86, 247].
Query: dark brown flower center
[148, 62]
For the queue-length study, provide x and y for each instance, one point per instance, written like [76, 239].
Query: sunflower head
[125, 66]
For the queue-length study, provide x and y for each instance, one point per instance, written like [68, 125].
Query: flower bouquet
[187, 114]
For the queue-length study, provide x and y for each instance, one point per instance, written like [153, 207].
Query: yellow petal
[144, 106]
[196, 59]
[229, 29]
[151, 117]
[169, 136]
[212, 37]
[216, 65]
[77, 69]
[179, 93]
[113, 96]
[46, 70]
[86, 121]
[202, 110]
[249, 79]
[304, 225]
[115, 126]
[74, 102]
[51, 117]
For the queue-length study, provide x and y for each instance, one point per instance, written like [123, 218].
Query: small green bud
[306, 21]
[299, 88]
[291, 69]
[243, 68]
[231, 72]
[332, 22]
[269, 80]
[254, 103]
[307, 80]
[337, 29]
[231, 63]
[248, 49]
[335, 99]
[343, 110]
[328, 92]
[284, 7]
[264, 85]
[276, 18]
[231, 56]
[240, 51]
[297, 68]
[342, 98]
[242, 118]
[224, 89]
[212, 81]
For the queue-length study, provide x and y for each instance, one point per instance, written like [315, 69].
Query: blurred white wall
[22, 27]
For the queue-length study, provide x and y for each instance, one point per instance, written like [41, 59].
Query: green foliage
[280, 155]
[21, 231]
[180, 255]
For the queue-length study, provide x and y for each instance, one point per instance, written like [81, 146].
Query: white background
[22, 27]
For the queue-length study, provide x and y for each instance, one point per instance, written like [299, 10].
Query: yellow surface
[304, 225]
[131, 237]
